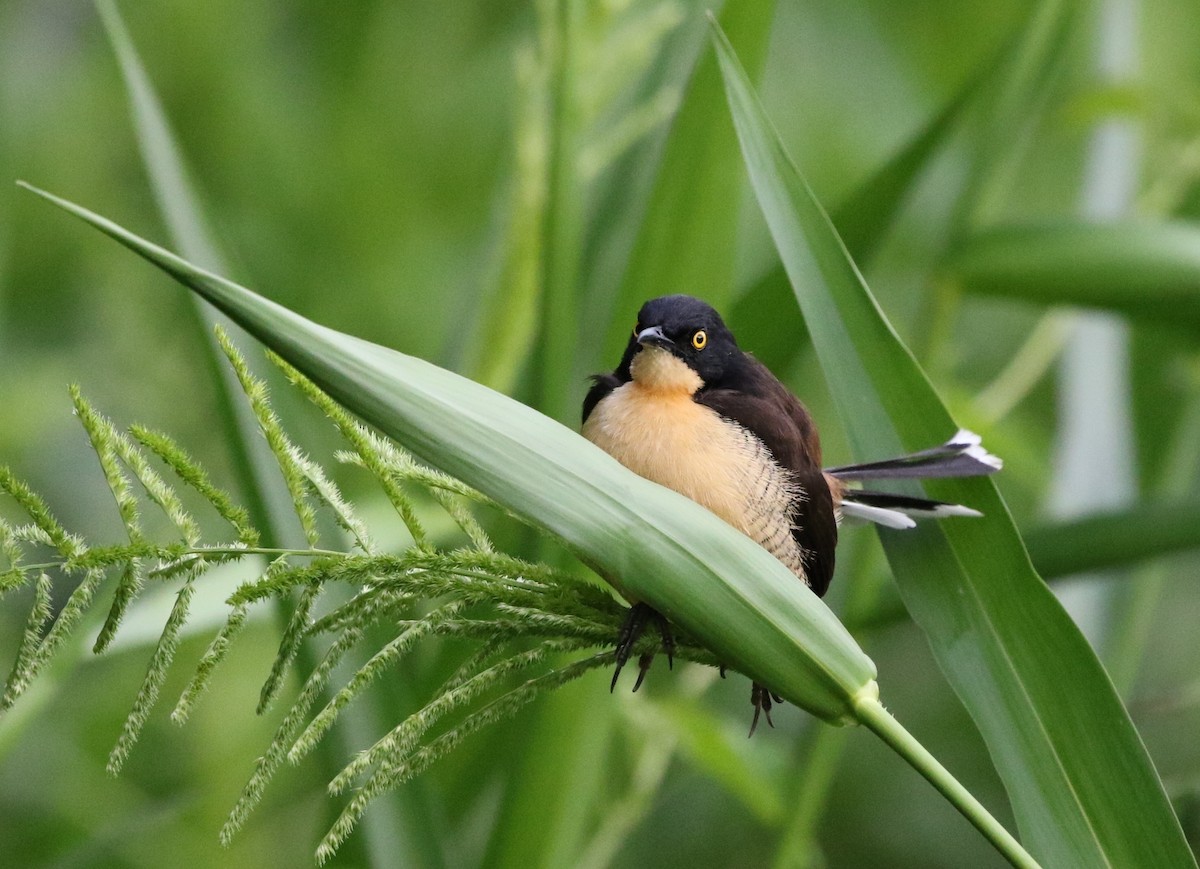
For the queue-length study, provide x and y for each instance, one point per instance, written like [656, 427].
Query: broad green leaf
[1082, 786]
[1142, 269]
[651, 542]
[863, 220]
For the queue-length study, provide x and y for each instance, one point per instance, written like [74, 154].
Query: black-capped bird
[688, 409]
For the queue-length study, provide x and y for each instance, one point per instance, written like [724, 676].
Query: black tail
[961, 456]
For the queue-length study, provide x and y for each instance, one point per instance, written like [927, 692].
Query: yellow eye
[699, 340]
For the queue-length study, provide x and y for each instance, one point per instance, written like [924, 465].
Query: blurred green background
[396, 171]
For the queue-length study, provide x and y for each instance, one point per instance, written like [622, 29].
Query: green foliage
[1013, 655]
[473, 184]
[496, 602]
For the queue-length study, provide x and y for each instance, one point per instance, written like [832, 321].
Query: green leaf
[863, 220]
[1142, 269]
[1120, 539]
[1097, 542]
[1082, 787]
[653, 543]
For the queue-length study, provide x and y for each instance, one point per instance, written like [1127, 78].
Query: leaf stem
[872, 715]
[176, 559]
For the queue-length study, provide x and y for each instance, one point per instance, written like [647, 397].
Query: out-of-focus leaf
[1140, 269]
[261, 483]
[1015, 101]
[705, 740]
[863, 220]
[687, 238]
[504, 326]
[1106, 540]
[1098, 542]
[1029, 679]
[1009, 85]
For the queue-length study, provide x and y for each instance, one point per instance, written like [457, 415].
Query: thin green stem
[1028, 366]
[871, 714]
[208, 551]
[562, 226]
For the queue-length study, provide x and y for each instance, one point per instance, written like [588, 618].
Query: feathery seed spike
[188, 470]
[285, 735]
[156, 675]
[212, 657]
[280, 444]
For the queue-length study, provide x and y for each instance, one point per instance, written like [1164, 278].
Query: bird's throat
[660, 370]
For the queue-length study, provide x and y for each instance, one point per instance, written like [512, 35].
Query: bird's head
[680, 342]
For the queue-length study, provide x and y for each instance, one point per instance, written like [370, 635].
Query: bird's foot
[762, 700]
[631, 632]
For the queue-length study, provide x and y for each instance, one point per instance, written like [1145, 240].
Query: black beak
[653, 337]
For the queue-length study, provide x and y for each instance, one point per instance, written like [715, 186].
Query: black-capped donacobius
[688, 409]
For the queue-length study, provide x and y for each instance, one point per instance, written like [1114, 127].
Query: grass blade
[1030, 681]
[1101, 541]
[180, 209]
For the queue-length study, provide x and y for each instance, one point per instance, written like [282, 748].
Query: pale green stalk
[872, 714]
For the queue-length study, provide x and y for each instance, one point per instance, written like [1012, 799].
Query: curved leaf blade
[1082, 786]
[653, 543]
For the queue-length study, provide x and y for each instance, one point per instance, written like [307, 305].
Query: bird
[687, 408]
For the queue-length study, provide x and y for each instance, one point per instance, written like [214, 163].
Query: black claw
[612, 686]
[631, 632]
[760, 699]
[722, 670]
[668, 639]
[644, 663]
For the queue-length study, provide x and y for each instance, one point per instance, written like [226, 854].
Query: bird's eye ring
[637, 328]
[699, 339]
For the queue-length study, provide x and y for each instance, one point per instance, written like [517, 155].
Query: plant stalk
[872, 714]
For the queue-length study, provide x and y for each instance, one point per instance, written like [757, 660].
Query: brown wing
[764, 406]
[602, 385]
